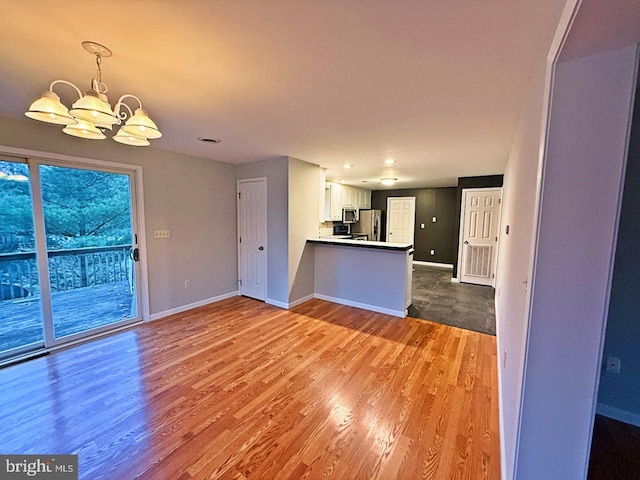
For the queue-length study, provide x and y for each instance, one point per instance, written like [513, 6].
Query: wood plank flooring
[243, 390]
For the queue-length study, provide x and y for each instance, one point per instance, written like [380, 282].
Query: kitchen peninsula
[370, 275]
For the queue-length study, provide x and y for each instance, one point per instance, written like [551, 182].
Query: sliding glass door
[21, 326]
[68, 258]
[90, 248]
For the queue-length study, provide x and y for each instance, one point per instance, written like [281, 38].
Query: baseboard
[277, 303]
[501, 434]
[455, 279]
[617, 414]
[190, 306]
[364, 306]
[434, 264]
[300, 301]
[287, 306]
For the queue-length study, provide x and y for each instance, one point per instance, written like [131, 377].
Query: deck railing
[68, 269]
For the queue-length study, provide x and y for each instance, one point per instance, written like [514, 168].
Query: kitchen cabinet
[364, 199]
[350, 196]
[334, 202]
[338, 196]
[322, 187]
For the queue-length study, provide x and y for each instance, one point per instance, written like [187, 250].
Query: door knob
[260, 248]
[466, 242]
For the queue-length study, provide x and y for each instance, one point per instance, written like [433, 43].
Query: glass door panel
[90, 243]
[21, 324]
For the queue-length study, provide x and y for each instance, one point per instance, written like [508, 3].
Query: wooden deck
[243, 390]
[73, 311]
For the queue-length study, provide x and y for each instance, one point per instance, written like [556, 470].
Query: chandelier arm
[122, 115]
[120, 103]
[68, 83]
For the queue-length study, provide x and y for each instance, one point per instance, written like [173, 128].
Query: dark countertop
[361, 244]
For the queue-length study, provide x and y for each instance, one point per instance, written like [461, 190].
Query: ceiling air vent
[209, 140]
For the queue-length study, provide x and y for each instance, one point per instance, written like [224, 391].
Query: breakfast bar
[365, 274]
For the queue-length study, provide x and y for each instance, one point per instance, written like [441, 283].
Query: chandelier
[91, 115]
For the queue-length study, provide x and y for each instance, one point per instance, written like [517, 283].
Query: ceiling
[435, 85]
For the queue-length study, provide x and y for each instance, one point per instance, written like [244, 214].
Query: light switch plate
[161, 234]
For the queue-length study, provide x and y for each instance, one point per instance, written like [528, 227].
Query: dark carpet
[434, 297]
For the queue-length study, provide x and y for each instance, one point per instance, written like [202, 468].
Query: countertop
[361, 243]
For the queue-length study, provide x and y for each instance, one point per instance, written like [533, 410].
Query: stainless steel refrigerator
[368, 224]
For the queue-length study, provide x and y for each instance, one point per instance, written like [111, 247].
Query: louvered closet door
[480, 235]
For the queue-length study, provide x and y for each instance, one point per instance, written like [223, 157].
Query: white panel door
[481, 217]
[401, 219]
[252, 238]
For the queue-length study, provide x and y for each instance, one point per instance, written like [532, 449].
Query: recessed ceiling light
[209, 140]
[389, 161]
[388, 181]
[347, 165]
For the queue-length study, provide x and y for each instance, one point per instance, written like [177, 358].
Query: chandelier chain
[98, 62]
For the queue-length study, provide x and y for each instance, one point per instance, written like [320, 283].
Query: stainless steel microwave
[349, 215]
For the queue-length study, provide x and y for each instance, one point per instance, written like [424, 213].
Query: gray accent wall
[430, 202]
[192, 197]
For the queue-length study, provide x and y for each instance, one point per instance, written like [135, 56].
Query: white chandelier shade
[84, 129]
[93, 109]
[91, 114]
[48, 108]
[141, 125]
[127, 139]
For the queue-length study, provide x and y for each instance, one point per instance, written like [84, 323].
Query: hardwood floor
[243, 390]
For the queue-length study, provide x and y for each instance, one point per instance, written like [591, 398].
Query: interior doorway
[252, 238]
[401, 218]
[479, 224]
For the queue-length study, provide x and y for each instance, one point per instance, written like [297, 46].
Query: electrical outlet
[187, 284]
[613, 365]
[433, 252]
[504, 359]
[161, 234]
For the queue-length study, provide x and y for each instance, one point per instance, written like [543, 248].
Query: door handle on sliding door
[135, 255]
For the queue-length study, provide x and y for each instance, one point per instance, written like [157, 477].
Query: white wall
[590, 114]
[514, 261]
[276, 171]
[191, 196]
[304, 204]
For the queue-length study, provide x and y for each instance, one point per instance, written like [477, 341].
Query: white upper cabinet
[322, 187]
[334, 202]
[350, 196]
[338, 196]
[364, 198]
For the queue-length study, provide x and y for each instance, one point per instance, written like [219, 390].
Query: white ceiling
[436, 85]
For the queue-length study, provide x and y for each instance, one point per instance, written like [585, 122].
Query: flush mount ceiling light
[389, 161]
[91, 114]
[388, 181]
[347, 166]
